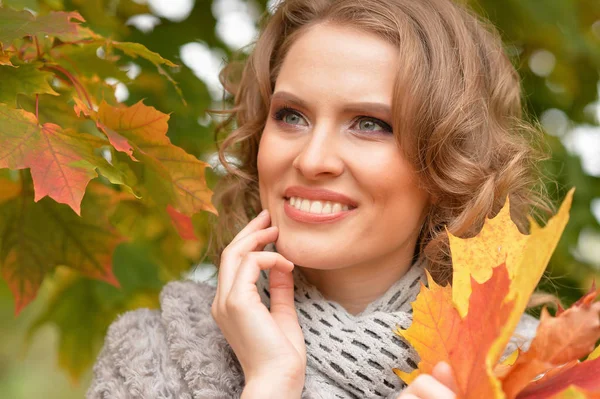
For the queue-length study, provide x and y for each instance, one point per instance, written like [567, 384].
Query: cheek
[272, 162]
[264, 178]
[391, 183]
[380, 172]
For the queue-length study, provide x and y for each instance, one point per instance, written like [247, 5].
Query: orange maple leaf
[140, 131]
[559, 340]
[56, 157]
[581, 378]
[438, 333]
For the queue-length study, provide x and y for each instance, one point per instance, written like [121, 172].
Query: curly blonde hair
[457, 116]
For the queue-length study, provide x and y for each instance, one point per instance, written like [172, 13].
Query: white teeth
[317, 207]
[305, 206]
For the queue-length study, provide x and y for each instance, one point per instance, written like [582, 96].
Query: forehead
[336, 63]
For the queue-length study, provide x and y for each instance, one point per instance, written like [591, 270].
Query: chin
[307, 254]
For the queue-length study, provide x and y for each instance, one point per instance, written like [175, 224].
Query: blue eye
[373, 125]
[290, 117]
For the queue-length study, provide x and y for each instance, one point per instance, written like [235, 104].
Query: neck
[355, 287]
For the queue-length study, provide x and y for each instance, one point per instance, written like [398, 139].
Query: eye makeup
[281, 112]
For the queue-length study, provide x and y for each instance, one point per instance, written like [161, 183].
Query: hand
[439, 385]
[269, 346]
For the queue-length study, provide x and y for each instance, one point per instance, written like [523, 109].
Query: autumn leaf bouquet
[469, 324]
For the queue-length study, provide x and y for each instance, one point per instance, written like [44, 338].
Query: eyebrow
[358, 107]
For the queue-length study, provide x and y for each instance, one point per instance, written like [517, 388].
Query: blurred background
[48, 349]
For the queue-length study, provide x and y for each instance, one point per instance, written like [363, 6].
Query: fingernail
[263, 213]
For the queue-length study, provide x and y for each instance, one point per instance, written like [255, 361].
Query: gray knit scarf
[354, 354]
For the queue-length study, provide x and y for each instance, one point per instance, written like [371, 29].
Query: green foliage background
[55, 339]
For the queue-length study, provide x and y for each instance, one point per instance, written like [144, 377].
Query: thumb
[283, 309]
[444, 374]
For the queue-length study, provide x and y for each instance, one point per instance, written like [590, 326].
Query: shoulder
[136, 360]
[135, 353]
[186, 297]
[183, 299]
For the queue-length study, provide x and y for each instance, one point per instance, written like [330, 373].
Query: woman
[363, 127]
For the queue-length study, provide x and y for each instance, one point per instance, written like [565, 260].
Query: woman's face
[329, 150]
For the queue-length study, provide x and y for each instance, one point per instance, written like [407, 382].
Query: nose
[320, 154]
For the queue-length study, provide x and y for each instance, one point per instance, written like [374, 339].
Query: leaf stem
[37, 107]
[37, 46]
[81, 91]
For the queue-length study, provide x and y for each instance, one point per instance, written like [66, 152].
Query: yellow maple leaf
[525, 256]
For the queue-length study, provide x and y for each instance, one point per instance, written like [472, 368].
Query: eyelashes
[282, 112]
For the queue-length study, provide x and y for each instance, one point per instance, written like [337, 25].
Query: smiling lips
[316, 205]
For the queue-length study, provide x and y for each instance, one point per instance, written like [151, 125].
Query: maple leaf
[23, 79]
[63, 25]
[8, 189]
[525, 257]
[82, 60]
[38, 237]
[5, 59]
[135, 50]
[595, 354]
[182, 223]
[177, 177]
[559, 340]
[49, 152]
[438, 332]
[575, 393]
[468, 326]
[62, 162]
[582, 377]
[82, 309]
[500, 241]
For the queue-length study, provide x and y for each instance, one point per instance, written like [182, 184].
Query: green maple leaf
[62, 162]
[63, 25]
[77, 312]
[82, 60]
[135, 50]
[36, 238]
[24, 79]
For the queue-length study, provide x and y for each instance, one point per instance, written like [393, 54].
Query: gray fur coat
[178, 352]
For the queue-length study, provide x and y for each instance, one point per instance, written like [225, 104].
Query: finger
[261, 221]
[235, 252]
[283, 310]
[427, 387]
[244, 288]
[444, 374]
